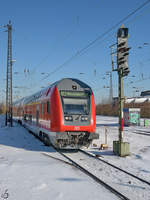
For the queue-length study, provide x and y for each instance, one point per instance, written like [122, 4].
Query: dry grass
[2, 108]
[112, 110]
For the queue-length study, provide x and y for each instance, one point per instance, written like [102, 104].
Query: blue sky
[48, 33]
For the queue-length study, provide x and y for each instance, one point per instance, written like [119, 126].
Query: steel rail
[99, 181]
[145, 131]
[108, 187]
[63, 161]
[140, 133]
[97, 158]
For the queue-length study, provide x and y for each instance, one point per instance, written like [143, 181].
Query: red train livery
[62, 114]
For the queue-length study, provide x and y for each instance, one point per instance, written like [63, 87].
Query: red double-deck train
[62, 114]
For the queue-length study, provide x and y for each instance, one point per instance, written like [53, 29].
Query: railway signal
[122, 51]
[119, 147]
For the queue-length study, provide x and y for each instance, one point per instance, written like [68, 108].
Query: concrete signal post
[120, 147]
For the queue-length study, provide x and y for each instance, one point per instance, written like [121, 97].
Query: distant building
[145, 93]
[145, 97]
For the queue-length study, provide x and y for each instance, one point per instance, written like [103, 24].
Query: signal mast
[119, 147]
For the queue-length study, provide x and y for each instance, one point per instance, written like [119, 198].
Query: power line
[66, 37]
[97, 39]
[80, 53]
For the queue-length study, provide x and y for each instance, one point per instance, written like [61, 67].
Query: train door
[37, 115]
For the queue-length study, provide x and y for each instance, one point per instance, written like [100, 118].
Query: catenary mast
[9, 114]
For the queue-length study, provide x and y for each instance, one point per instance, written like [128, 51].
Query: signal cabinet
[131, 116]
[121, 148]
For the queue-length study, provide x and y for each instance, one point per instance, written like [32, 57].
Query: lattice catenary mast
[9, 113]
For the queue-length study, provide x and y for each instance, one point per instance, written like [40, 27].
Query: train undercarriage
[74, 139]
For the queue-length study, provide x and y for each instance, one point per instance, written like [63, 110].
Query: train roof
[69, 83]
[63, 84]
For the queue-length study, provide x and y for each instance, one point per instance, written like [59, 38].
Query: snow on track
[125, 184]
[27, 174]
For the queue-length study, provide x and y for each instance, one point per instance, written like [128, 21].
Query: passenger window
[48, 107]
[42, 108]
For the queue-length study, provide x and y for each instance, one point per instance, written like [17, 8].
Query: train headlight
[84, 118]
[68, 118]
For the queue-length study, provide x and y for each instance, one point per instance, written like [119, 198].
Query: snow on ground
[139, 160]
[26, 174]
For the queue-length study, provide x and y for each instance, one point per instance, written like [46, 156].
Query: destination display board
[73, 94]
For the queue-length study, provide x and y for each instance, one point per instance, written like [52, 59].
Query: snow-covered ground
[139, 160]
[26, 174]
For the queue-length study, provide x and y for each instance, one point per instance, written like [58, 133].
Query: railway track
[78, 166]
[118, 168]
[125, 178]
[136, 131]
[87, 172]
[113, 184]
[142, 132]
[120, 182]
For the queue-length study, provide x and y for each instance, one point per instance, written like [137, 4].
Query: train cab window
[76, 103]
[76, 106]
[48, 107]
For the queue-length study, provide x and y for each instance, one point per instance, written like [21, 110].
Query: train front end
[76, 115]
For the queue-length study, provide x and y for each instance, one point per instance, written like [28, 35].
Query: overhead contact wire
[98, 38]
